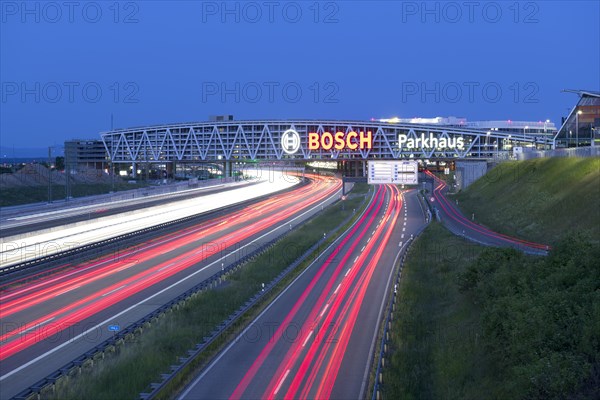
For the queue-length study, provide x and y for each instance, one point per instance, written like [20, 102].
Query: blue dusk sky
[66, 67]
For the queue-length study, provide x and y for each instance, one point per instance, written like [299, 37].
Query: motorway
[48, 323]
[458, 224]
[24, 219]
[317, 338]
[22, 248]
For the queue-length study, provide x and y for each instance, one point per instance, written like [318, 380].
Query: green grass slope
[539, 200]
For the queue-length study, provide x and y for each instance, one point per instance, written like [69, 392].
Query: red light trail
[249, 222]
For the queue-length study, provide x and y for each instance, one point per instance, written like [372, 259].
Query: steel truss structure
[261, 140]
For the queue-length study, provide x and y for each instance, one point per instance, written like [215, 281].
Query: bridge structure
[305, 140]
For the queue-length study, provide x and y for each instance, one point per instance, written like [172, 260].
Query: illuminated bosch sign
[290, 141]
[340, 140]
[430, 142]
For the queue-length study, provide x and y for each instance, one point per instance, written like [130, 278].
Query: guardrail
[224, 326]
[110, 345]
[229, 321]
[133, 193]
[388, 322]
[95, 249]
[86, 361]
[424, 202]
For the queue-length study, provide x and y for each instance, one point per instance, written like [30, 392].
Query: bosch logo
[340, 141]
[290, 141]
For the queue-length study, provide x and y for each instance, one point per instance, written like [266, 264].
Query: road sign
[398, 172]
[114, 328]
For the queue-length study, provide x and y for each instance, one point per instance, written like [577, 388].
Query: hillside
[497, 323]
[538, 200]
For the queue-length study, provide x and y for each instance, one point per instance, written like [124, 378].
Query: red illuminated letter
[352, 145]
[326, 140]
[313, 141]
[339, 140]
[365, 140]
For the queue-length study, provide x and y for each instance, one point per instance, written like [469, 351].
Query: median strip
[165, 339]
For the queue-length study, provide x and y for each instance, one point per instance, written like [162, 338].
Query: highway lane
[16, 222]
[65, 315]
[458, 224]
[316, 340]
[38, 244]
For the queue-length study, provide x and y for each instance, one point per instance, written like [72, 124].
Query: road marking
[307, 337]
[400, 244]
[356, 259]
[374, 335]
[404, 223]
[324, 309]
[166, 266]
[37, 325]
[112, 291]
[363, 249]
[337, 288]
[123, 267]
[403, 229]
[79, 336]
[67, 290]
[347, 272]
[402, 236]
[281, 381]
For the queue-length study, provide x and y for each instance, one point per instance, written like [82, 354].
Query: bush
[541, 317]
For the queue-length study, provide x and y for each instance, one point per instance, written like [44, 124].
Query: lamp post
[570, 136]
[577, 128]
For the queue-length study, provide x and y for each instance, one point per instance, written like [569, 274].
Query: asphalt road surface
[316, 339]
[46, 324]
[20, 220]
[460, 225]
[38, 244]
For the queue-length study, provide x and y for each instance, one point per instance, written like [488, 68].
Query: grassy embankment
[538, 200]
[475, 322]
[138, 364]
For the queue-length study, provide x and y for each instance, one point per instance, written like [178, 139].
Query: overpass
[289, 140]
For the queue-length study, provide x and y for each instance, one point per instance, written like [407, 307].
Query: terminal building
[582, 127]
[542, 131]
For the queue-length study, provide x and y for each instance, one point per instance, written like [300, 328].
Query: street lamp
[577, 128]
[570, 136]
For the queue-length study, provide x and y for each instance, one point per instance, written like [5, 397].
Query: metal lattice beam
[261, 139]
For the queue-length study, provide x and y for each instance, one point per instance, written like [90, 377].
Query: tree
[59, 163]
